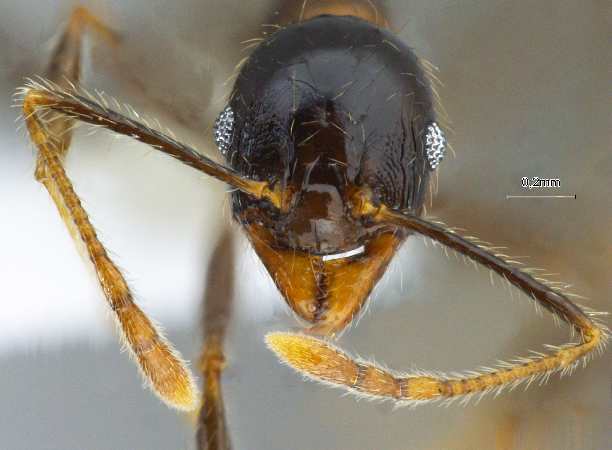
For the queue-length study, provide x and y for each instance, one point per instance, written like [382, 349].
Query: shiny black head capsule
[322, 107]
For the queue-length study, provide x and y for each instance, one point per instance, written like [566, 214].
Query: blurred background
[526, 85]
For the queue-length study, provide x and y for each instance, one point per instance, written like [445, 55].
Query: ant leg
[50, 110]
[39, 98]
[66, 59]
[212, 429]
[161, 366]
[323, 362]
[65, 69]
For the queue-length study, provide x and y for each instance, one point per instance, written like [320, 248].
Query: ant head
[320, 111]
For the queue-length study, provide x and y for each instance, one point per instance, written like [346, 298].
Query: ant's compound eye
[224, 129]
[435, 145]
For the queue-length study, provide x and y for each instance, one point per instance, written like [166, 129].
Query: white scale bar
[541, 196]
